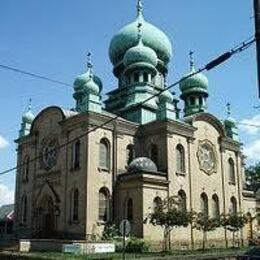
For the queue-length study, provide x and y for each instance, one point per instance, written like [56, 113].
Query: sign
[95, 248]
[71, 248]
[125, 227]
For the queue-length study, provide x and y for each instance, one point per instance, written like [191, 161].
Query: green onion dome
[166, 97]
[140, 54]
[142, 164]
[153, 38]
[194, 84]
[28, 117]
[81, 81]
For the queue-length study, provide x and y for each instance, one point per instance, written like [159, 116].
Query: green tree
[204, 223]
[253, 175]
[233, 222]
[168, 216]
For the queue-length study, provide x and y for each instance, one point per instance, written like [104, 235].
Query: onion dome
[142, 164]
[153, 38]
[194, 84]
[140, 55]
[88, 81]
[166, 97]
[230, 121]
[28, 117]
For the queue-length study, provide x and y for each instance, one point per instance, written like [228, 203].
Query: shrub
[136, 245]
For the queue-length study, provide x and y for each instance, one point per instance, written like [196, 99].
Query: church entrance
[46, 217]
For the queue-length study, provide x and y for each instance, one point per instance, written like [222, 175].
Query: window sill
[231, 183]
[183, 174]
[103, 169]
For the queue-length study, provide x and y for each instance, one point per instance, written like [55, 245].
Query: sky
[52, 38]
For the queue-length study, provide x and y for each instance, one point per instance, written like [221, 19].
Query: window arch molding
[182, 200]
[180, 159]
[233, 205]
[215, 206]
[104, 204]
[130, 153]
[231, 171]
[204, 204]
[157, 204]
[104, 154]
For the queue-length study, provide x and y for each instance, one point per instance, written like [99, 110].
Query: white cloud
[250, 125]
[252, 151]
[6, 195]
[3, 142]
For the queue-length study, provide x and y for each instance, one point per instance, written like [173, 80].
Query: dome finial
[140, 32]
[191, 59]
[89, 63]
[29, 105]
[228, 106]
[139, 7]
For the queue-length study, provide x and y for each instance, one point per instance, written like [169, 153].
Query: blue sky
[52, 38]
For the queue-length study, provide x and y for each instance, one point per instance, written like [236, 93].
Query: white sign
[101, 248]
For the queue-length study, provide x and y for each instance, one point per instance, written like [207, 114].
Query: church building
[104, 161]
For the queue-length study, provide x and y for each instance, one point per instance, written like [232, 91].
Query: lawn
[195, 254]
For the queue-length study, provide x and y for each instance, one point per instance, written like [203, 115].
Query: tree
[168, 216]
[233, 222]
[204, 223]
[253, 175]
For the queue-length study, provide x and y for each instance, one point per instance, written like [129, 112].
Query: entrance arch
[46, 217]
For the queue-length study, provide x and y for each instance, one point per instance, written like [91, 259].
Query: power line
[212, 64]
[31, 74]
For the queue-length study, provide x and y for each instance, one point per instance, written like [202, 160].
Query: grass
[188, 254]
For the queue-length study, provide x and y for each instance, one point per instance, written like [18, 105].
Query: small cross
[228, 109]
[30, 104]
[89, 62]
[139, 6]
[191, 59]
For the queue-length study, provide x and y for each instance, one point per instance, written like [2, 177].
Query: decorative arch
[104, 153]
[215, 206]
[182, 200]
[130, 153]
[204, 204]
[157, 204]
[233, 205]
[180, 158]
[231, 171]
[104, 204]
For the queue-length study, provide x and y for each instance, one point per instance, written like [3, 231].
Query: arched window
[182, 200]
[75, 213]
[103, 213]
[130, 153]
[136, 77]
[104, 154]
[180, 159]
[154, 154]
[204, 206]
[24, 209]
[231, 171]
[157, 204]
[76, 155]
[233, 206]
[26, 168]
[129, 210]
[215, 206]
[146, 78]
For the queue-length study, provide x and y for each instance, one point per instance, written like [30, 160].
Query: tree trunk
[169, 240]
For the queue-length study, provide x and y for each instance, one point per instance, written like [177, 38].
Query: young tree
[168, 216]
[204, 223]
[233, 222]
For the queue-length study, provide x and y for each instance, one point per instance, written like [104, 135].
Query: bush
[136, 245]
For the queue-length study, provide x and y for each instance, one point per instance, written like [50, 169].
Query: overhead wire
[209, 66]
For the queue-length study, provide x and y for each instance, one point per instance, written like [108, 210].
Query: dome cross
[139, 7]
[191, 53]
[228, 106]
[89, 63]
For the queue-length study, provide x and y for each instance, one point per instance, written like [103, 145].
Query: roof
[7, 212]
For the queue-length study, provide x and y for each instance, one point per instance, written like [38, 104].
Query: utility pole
[257, 35]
